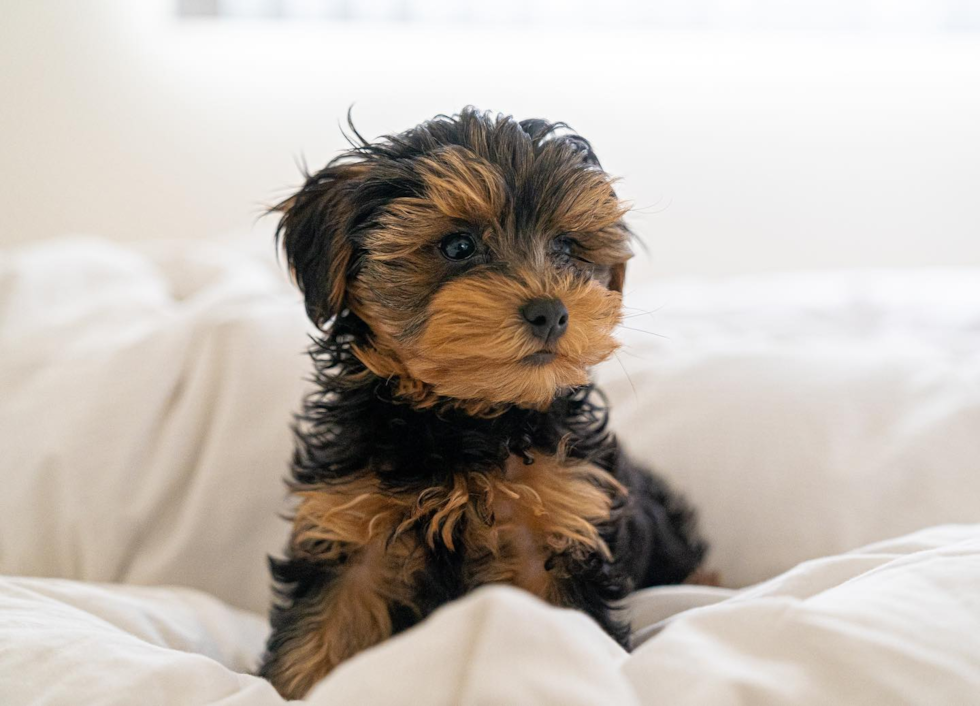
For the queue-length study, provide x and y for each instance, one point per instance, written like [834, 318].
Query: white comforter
[145, 397]
[897, 622]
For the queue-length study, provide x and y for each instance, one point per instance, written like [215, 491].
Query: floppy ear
[617, 277]
[315, 231]
[617, 273]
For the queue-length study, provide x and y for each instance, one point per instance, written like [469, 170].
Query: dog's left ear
[617, 273]
[315, 231]
[617, 277]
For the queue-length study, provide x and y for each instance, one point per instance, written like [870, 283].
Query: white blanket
[145, 398]
[897, 622]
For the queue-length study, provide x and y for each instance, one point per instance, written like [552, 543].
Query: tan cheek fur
[474, 339]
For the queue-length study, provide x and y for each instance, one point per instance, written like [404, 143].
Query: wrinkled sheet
[146, 394]
[896, 622]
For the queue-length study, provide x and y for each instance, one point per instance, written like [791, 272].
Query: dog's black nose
[547, 318]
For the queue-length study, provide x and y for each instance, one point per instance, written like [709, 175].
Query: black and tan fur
[434, 457]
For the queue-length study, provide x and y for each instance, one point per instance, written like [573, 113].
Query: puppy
[464, 275]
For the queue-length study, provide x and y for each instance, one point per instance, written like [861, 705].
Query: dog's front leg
[348, 570]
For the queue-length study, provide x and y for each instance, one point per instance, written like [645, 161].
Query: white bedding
[840, 407]
[897, 622]
[145, 397]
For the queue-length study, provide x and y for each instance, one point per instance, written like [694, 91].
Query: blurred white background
[751, 136]
[146, 391]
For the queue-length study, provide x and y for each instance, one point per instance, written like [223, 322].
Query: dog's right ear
[315, 231]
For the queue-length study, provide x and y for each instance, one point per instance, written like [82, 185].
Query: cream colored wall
[741, 153]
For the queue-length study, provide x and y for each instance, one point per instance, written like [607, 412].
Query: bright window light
[833, 15]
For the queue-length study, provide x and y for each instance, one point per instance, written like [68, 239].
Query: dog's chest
[499, 526]
[513, 523]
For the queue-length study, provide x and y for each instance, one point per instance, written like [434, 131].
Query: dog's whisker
[627, 373]
[639, 330]
[646, 311]
[624, 350]
[653, 208]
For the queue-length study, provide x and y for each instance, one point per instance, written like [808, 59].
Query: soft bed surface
[896, 622]
[807, 413]
[146, 395]
[145, 401]
[145, 404]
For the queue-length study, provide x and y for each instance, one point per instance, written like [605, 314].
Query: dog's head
[486, 257]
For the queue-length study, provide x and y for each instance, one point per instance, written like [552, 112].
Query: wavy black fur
[348, 429]
[353, 424]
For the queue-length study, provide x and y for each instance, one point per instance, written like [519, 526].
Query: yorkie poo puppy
[464, 275]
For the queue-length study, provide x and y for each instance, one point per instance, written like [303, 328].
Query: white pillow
[805, 414]
[146, 405]
[146, 396]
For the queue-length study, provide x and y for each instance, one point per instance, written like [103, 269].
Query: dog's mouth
[542, 357]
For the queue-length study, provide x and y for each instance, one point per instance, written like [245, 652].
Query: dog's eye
[458, 246]
[563, 245]
[566, 249]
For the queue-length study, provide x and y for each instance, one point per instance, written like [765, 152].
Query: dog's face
[486, 256]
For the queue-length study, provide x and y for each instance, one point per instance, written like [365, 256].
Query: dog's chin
[539, 358]
[532, 382]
